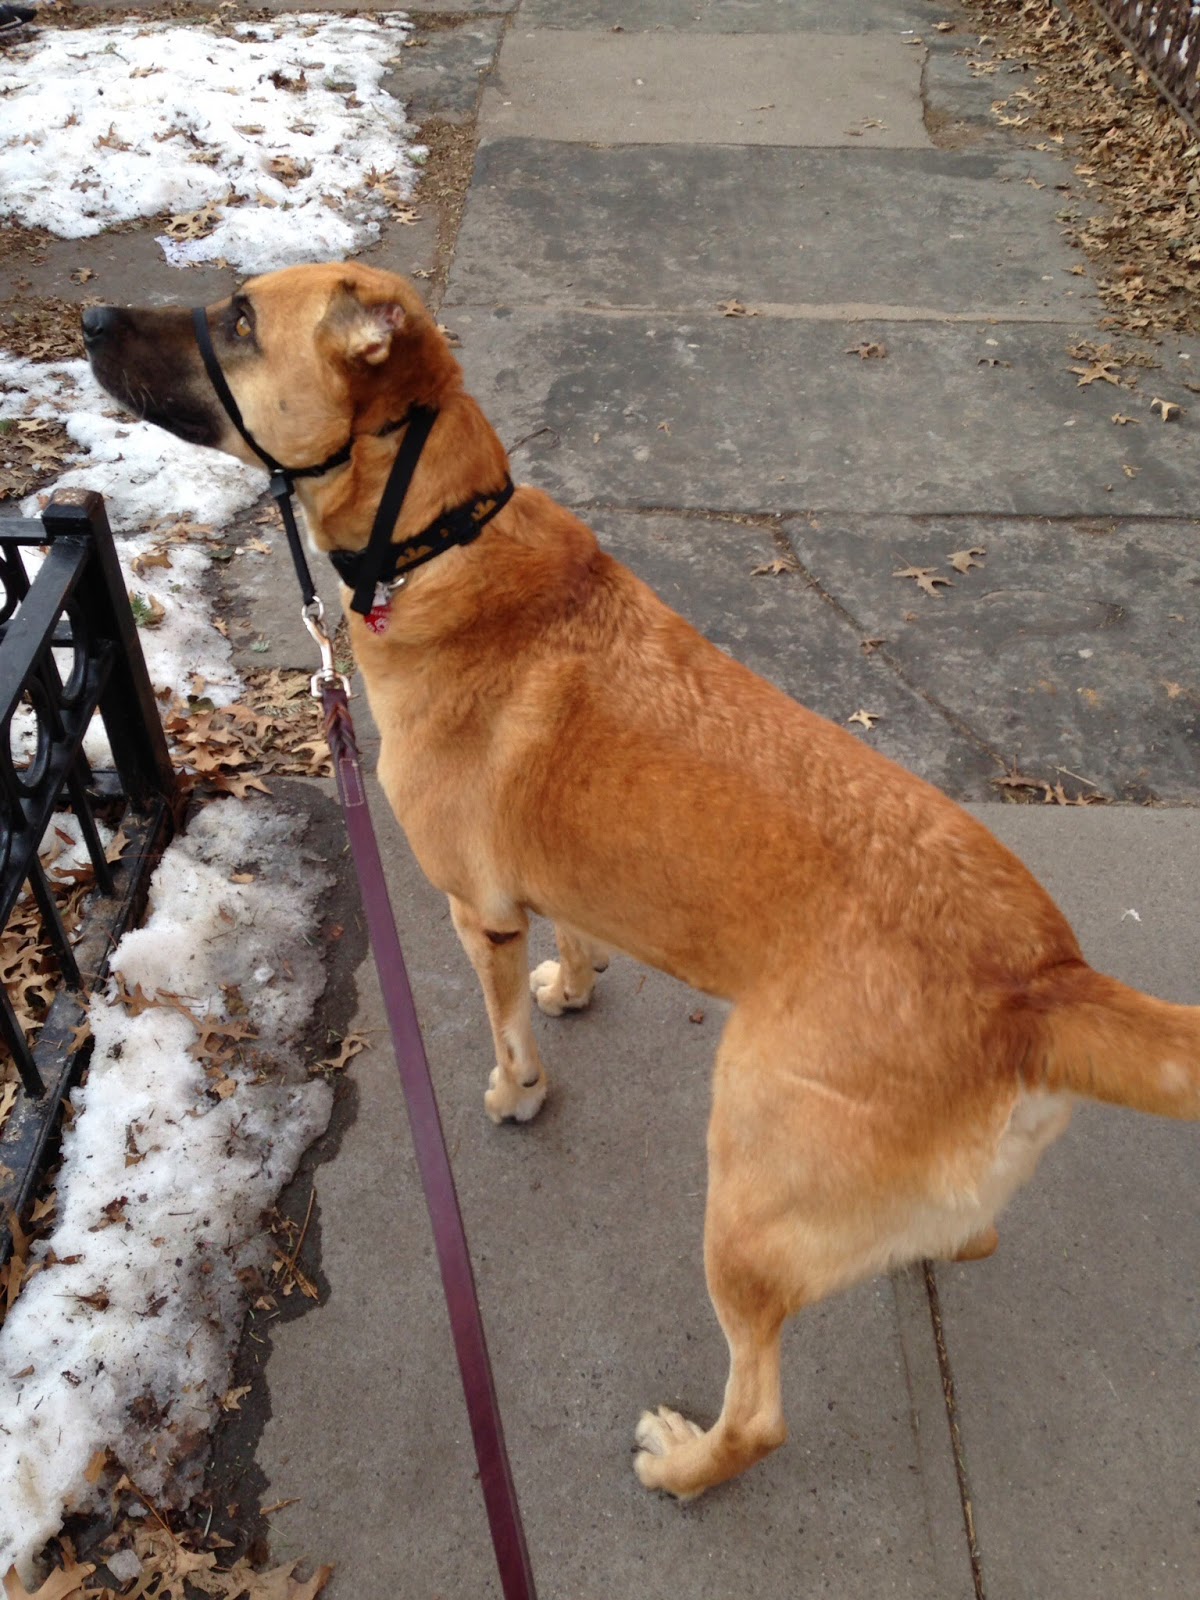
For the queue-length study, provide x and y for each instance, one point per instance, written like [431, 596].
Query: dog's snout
[98, 323]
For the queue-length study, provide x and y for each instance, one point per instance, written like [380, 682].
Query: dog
[912, 1019]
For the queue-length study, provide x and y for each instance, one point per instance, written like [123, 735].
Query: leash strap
[429, 1143]
[433, 1161]
[374, 558]
[281, 493]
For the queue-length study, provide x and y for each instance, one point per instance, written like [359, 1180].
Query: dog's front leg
[517, 1085]
[567, 984]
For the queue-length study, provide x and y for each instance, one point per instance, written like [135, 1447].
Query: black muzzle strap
[224, 393]
[282, 478]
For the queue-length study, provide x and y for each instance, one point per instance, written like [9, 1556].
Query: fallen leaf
[232, 1399]
[352, 1045]
[1097, 371]
[149, 558]
[964, 560]
[772, 568]
[1121, 419]
[925, 577]
[147, 611]
[1167, 409]
[60, 1585]
[867, 719]
[194, 224]
[867, 350]
[735, 308]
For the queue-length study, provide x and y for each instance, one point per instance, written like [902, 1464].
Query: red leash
[433, 1161]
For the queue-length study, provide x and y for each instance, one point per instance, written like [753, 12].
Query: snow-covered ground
[269, 144]
[126, 1343]
[266, 144]
[147, 478]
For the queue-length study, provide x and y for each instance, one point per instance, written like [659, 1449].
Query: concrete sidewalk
[641, 172]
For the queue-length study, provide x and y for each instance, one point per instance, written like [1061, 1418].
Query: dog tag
[381, 608]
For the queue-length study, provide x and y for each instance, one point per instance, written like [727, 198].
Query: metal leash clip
[313, 616]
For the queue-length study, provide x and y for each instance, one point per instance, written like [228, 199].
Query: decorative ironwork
[1164, 36]
[69, 649]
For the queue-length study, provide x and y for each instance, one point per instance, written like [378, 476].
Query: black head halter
[379, 568]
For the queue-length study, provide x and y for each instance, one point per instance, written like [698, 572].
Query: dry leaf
[194, 224]
[1097, 371]
[232, 1399]
[964, 560]
[771, 569]
[867, 719]
[1121, 419]
[288, 170]
[149, 558]
[925, 577]
[1167, 409]
[735, 308]
[148, 611]
[868, 351]
[62, 1583]
[352, 1045]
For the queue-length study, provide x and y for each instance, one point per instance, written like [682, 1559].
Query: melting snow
[285, 138]
[275, 125]
[127, 1340]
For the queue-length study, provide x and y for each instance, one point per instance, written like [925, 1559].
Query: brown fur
[912, 1016]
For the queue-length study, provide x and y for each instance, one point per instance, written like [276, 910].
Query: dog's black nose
[98, 322]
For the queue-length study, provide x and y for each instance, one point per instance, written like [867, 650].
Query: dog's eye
[243, 327]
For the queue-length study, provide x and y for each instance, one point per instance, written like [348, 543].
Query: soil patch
[445, 179]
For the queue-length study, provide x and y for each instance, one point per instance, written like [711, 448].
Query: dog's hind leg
[517, 1086]
[754, 1279]
[677, 1455]
[567, 984]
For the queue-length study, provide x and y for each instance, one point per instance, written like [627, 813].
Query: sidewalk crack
[880, 653]
[956, 1444]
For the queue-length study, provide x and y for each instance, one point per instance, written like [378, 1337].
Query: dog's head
[311, 355]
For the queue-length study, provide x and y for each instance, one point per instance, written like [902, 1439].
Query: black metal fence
[1164, 35]
[69, 648]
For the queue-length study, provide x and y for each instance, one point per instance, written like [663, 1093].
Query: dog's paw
[506, 1101]
[548, 988]
[658, 1435]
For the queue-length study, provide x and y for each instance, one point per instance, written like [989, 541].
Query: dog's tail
[1099, 1038]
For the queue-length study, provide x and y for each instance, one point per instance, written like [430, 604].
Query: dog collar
[374, 582]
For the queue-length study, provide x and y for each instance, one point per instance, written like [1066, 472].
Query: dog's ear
[369, 338]
[363, 333]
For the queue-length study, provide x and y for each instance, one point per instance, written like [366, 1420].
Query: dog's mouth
[147, 361]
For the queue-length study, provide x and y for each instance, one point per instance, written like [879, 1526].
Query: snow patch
[275, 125]
[146, 477]
[126, 1341]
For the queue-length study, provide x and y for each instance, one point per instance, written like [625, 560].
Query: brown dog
[912, 1018]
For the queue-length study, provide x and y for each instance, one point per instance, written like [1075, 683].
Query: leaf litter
[1136, 161]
